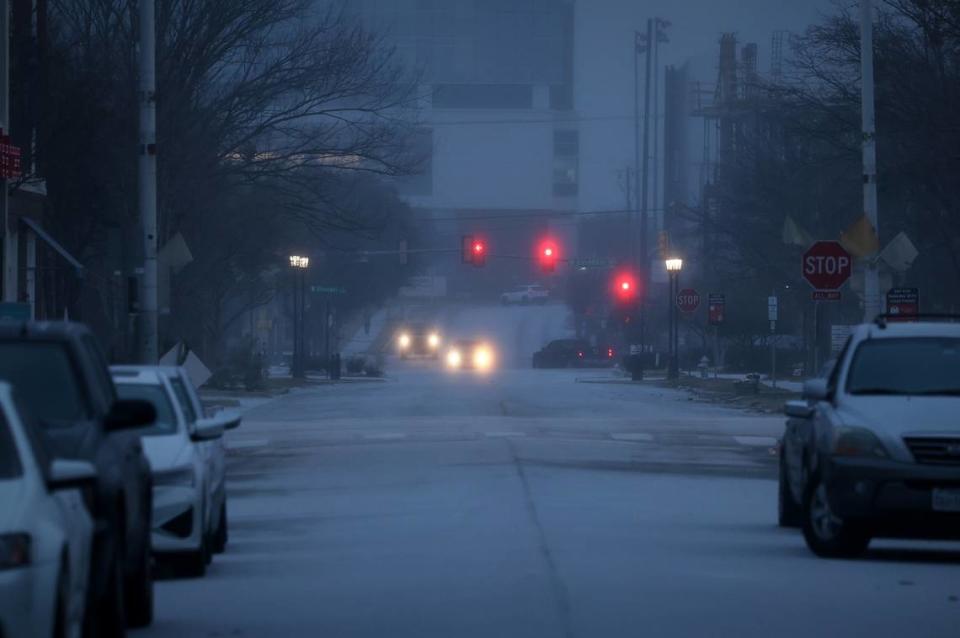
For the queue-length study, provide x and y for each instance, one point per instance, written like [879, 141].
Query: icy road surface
[527, 504]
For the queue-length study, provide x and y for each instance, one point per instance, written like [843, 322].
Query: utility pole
[657, 38]
[8, 278]
[148, 182]
[871, 287]
[637, 47]
[644, 188]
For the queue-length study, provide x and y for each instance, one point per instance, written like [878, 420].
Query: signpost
[688, 300]
[826, 266]
[903, 302]
[716, 308]
[773, 313]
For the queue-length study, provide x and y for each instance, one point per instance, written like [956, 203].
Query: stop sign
[827, 265]
[688, 300]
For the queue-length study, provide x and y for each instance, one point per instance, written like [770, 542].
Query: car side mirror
[127, 414]
[816, 390]
[207, 429]
[228, 419]
[69, 474]
[798, 409]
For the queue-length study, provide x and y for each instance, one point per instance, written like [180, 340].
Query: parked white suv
[874, 448]
[46, 533]
[531, 293]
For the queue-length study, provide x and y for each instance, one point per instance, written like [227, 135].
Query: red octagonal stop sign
[688, 300]
[827, 265]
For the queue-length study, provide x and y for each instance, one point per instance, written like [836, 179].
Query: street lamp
[674, 266]
[299, 263]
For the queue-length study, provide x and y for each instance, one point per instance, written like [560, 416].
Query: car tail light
[610, 353]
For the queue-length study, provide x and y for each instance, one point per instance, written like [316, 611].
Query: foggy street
[530, 503]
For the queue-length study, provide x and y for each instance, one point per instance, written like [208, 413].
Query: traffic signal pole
[644, 193]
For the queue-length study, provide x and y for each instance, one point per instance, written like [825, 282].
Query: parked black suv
[61, 376]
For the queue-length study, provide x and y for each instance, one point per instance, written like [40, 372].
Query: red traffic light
[625, 287]
[548, 255]
[474, 250]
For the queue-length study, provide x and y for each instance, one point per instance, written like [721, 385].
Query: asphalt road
[530, 503]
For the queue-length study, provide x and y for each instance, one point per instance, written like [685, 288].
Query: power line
[538, 215]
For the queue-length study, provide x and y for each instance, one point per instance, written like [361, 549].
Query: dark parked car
[61, 375]
[570, 353]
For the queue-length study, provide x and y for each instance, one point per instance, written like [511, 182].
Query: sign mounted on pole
[904, 303]
[826, 295]
[826, 265]
[688, 300]
[716, 308]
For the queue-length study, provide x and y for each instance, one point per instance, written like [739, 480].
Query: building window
[566, 159]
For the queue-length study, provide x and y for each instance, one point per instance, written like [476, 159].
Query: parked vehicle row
[90, 472]
[873, 449]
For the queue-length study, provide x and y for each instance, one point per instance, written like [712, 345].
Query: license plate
[946, 500]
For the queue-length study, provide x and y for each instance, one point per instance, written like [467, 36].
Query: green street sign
[328, 290]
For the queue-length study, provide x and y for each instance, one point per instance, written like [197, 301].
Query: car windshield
[908, 366]
[9, 457]
[45, 380]
[166, 422]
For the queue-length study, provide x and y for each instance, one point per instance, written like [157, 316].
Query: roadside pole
[148, 181]
[644, 191]
[871, 287]
[773, 314]
[8, 276]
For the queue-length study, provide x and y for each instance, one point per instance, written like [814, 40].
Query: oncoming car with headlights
[874, 449]
[470, 354]
[419, 341]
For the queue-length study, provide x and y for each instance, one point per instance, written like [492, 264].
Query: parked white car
[531, 293]
[182, 485]
[46, 533]
[213, 451]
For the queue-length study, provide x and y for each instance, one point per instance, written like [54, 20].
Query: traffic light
[548, 255]
[473, 250]
[625, 287]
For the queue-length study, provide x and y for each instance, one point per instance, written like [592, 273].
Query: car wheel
[139, 592]
[828, 535]
[220, 536]
[61, 619]
[789, 514]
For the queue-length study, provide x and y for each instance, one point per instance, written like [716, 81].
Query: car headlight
[14, 550]
[404, 341]
[852, 441]
[454, 359]
[434, 340]
[482, 358]
[179, 477]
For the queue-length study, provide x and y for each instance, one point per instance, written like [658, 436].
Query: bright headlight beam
[454, 359]
[404, 340]
[433, 340]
